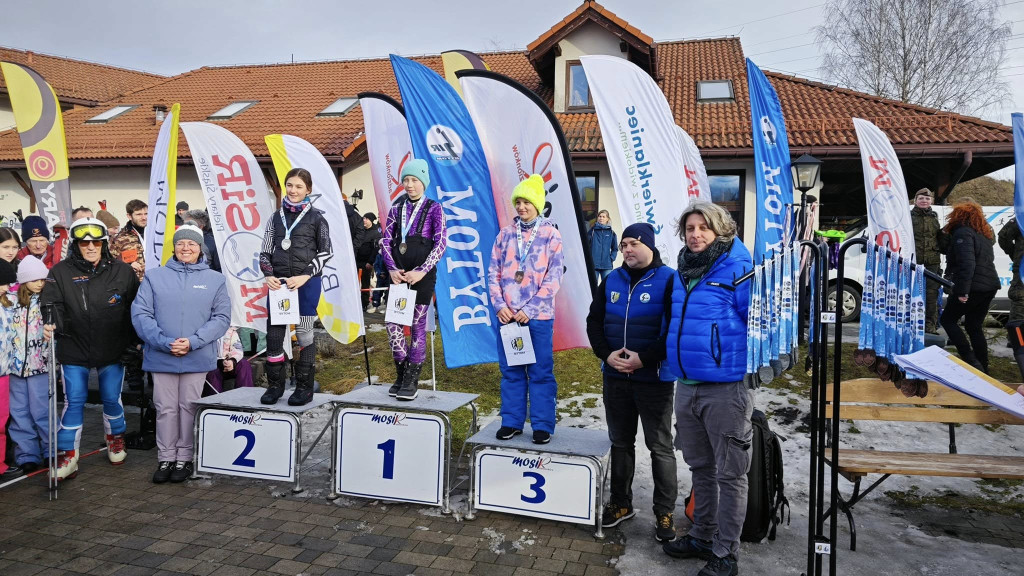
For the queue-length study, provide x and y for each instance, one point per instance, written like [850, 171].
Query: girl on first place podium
[524, 276]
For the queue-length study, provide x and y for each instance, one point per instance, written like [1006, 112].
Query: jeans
[534, 383]
[76, 390]
[30, 418]
[175, 397]
[600, 275]
[651, 402]
[973, 312]
[714, 432]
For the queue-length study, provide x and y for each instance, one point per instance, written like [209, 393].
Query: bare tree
[943, 54]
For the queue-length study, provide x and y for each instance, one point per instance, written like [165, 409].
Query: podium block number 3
[537, 488]
[389, 458]
[250, 441]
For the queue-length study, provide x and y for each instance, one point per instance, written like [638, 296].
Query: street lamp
[806, 173]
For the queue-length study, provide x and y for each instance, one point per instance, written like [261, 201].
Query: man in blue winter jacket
[627, 327]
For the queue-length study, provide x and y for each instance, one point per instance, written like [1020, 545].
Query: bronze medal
[520, 276]
[402, 248]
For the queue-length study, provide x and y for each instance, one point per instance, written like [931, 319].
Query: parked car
[853, 272]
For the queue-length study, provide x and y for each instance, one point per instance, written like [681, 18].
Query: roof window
[714, 91]
[340, 107]
[110, 114]
[232, 110]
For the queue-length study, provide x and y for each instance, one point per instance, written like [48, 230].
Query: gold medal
[402, 248]
[520, 276]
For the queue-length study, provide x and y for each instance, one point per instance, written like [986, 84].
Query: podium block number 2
[250, 441]
[389, 458]
[537, 488]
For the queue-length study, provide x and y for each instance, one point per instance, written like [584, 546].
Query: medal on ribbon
[286, 242]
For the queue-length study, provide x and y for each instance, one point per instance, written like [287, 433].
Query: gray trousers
[714, 432]
[175, 397]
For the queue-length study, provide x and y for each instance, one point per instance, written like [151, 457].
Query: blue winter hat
[417, 169]
[643, 232]
[34, 226]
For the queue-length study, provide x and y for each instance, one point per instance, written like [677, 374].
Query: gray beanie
[189, 232]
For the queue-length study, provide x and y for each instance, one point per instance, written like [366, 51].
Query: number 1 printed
[389, 458]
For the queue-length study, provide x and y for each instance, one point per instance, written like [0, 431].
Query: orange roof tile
[583, 8]
[86, 82]
[291, 95]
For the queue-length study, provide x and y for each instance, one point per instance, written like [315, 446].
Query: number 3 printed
[538, 483]
[250, 441]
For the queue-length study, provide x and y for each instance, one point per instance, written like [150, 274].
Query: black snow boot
[303, 393]
[400, 370]
[410, 382]
[275, 383]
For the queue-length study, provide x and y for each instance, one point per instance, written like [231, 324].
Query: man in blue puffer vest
[627, 326]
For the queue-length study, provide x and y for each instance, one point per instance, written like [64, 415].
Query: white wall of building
[588, 39]
[6, 113]
[358, 178]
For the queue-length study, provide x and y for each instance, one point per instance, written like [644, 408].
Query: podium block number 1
[389, 458]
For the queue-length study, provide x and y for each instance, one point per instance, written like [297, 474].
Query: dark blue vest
[635, 319]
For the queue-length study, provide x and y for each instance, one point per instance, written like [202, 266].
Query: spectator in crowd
[366, 253]
[8, 276]
[81, 212]
[970, 265]
[707, 351]
[92, 294]
[637, 384]
[202, 220]
[927, 240]
[108, 219]
[181, 311]
[524, 275]
[414, 239]
[179, 213]
[29, 370]
[604, 246]
[232, 366]
[1012, 242]
[10, 244]
[296, 247]
[130, 241]
[37, 240]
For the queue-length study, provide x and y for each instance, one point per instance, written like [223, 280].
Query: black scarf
[694, 265]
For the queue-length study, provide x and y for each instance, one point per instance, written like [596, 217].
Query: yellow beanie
[531, 190]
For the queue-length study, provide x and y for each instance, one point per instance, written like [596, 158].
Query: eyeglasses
[97, 243]
[88, 231]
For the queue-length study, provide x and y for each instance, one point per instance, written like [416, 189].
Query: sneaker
[115, 449]
[541, 437]
[614, 514]
[507, 432]
[163, 472]
[720, 567]
[67, 465]
[689, 547]
[11, 473]
[664, 529]
[182, 471]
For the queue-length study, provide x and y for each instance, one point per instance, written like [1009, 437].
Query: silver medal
[402, 248]
[286, 244]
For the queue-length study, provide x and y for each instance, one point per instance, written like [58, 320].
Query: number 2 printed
[250, 441]
[538, 483]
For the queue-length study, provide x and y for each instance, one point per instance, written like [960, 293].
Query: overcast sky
[177, 36]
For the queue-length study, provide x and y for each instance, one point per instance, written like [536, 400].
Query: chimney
[29, 56]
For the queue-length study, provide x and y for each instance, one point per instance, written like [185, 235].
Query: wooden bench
[872, 399]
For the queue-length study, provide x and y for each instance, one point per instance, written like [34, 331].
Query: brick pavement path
[114, 520]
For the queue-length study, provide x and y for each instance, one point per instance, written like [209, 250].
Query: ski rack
[817, 543]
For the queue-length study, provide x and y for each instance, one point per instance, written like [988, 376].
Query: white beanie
[189, 232]
[31, 268]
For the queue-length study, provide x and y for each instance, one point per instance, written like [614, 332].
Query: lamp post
[806, 173]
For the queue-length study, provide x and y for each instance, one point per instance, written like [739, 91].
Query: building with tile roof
[110, 160]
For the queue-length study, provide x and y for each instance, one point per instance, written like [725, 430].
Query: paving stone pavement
[115, 521]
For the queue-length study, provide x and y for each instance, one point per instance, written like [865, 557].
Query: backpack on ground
[766, 496]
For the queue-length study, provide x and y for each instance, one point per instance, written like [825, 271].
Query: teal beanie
[417, 169]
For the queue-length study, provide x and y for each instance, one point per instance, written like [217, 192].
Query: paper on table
[284, 306]
[938, 365]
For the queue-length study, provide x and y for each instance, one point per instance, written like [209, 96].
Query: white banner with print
[641, 142]
[885, 190]
[387, 146]
[239, 204]
[697, 187]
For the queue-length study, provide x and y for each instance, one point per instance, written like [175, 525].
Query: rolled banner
[812, 332]
[907, 325]
[902, 310]
[918, 304]
[881, 301]
[889, 222]
[764, 370]
[339, 307]
[163, 185]
[867, 300]
[754, 324]
[891, 303]
[775, 286]
[794, 335]
[787, 306]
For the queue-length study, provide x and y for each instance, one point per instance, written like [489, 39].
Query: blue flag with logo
[771, 164]
[443, 134]
[1018, 180]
